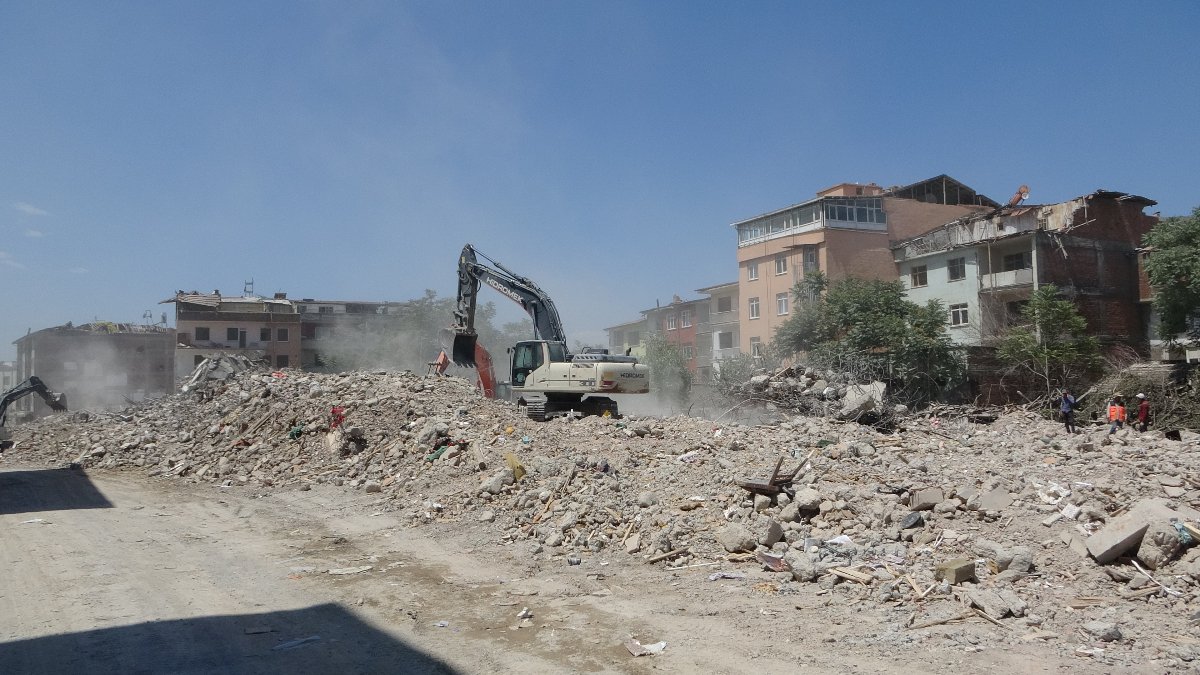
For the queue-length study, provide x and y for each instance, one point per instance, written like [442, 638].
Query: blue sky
[349, 150]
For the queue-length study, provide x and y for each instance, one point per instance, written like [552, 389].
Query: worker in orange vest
[1116, 413]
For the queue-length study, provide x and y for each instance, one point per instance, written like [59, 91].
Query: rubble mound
[943, 518]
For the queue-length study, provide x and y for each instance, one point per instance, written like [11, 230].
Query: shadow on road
[48, 490]
[320, 639]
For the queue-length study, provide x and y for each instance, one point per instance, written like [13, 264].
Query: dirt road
[115, 573]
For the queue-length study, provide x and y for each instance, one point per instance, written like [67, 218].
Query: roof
[97, 328]
[709, 289]
[215, 299]
[676, 304]
[635, 322]
[941, 182]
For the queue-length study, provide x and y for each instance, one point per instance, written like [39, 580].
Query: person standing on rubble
[1116, 413]
[1066, 406]
[1143, 412]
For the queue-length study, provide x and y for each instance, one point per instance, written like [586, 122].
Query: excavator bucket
[464, 349]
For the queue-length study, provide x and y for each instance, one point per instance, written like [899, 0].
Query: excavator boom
[33, 385]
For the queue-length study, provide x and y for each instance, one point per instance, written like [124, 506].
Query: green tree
[1052, 345]
[670, 378]
[1174, 270]
[869, 329]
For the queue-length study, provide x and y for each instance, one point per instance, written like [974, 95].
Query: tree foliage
[1052, 344]
[1174, 270]
[871, 330]
[670, 378]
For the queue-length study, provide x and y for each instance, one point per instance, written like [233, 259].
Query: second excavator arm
[471, 274]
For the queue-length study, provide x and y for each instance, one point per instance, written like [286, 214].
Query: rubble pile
[819, 392]
[1078, 540]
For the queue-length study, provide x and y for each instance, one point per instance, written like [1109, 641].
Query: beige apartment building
[845, 231]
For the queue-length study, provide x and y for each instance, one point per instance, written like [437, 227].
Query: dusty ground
[112, 572]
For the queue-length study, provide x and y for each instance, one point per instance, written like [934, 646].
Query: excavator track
[536, 410]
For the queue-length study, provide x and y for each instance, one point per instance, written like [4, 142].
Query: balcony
[1005, 279]
[722, 354]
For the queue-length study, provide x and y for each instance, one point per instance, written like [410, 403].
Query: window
[685, 318]
[616, 338]
[202, 334]
[958, 315]
[1018, 261]
[671, 322]
[264, 334]
[753, 308]
[752, 271]
[956, 269]
[755, 347]
[811, 262]
[725, 340]
[689, 352]
[1014, 311]
[781, 303]
[633, 337]
[781, 264]
[724, 304]
[231, 334]
[281, 361]
[919, 276]
[281, 335]
[324, 309]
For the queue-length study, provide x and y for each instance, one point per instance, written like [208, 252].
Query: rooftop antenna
[248, 288]
[1021, 195]
[147, 318]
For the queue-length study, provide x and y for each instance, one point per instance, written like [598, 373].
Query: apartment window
[616, 338]
[689, 352]
[753, 308]
[1014, 311]
[781, 303]
[264, 334]
[781, 264]
[724, 304]
[633, 337]
[755, 346]
[231, 334]
[752, 271]
[812, 263]
[956, 269]
[202, 334]
[281, 335]
[958, 315]
[919, 276]
[685, 318]
[281, 361]
[671, 322]
[1018, 261]
[725, 340]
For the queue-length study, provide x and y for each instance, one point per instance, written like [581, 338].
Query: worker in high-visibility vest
[1116, 413]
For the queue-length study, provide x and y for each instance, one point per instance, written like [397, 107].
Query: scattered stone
[990, 602]
[1102, 630]
[956, 571]
[736, 538]
[926, 499]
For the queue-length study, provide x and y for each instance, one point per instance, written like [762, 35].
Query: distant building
[629, 337]
[262, 329]
[8, 375]
[98, 365]
[334, 333]
[678, 323]
[846, 231]
[718, 339]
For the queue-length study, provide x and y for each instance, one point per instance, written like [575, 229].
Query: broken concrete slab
[995, 500]
[990, 602]
[1124, 533]
[926, 499]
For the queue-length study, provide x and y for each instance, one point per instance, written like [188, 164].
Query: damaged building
[985, 266]
[99, 366]
[260, 329]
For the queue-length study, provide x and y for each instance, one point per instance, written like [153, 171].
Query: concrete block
[926, 499]
[956, 571]
[990, 602]
[995, 500]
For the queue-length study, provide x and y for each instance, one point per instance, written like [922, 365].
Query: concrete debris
[940, 512]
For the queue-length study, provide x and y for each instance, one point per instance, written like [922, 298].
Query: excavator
[545, 378]
[33, 385]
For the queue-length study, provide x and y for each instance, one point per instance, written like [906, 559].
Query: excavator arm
[471, 275]
[33, 385]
